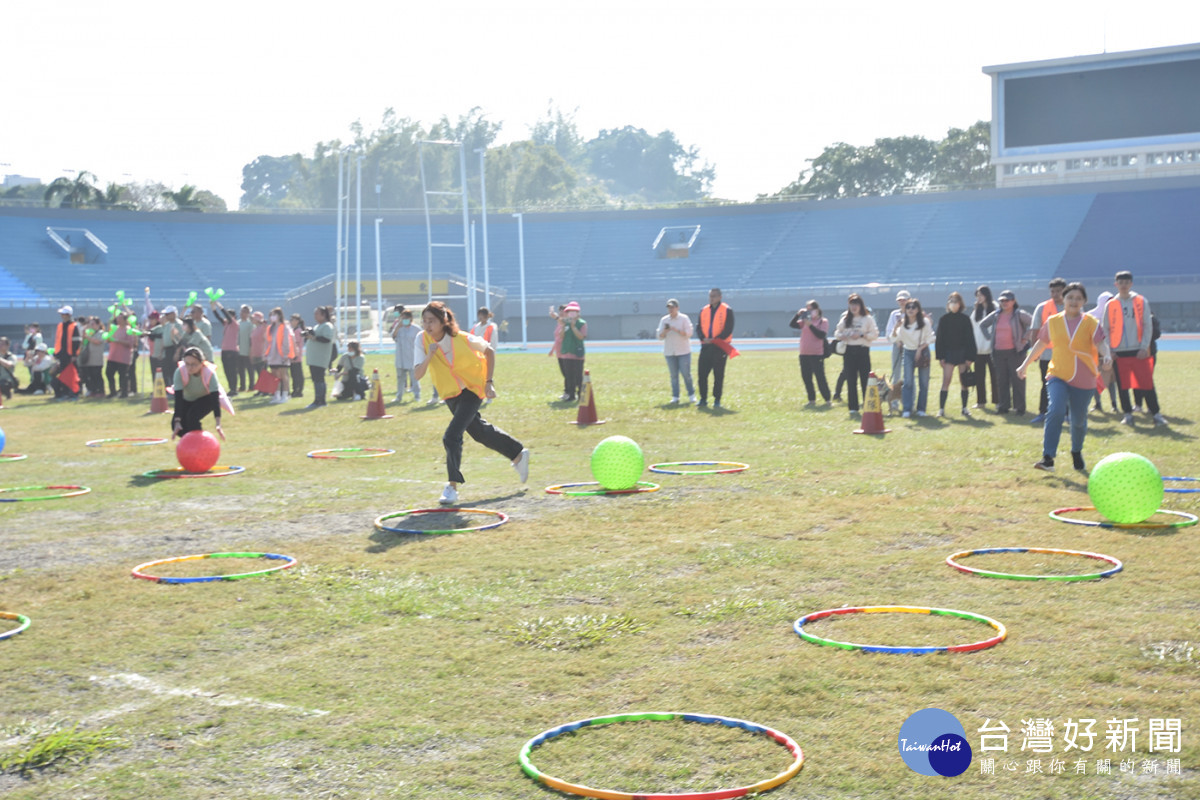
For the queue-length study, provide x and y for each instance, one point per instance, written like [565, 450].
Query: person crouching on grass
[198, 393]
[461, 366]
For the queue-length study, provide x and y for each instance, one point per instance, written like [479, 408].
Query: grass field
[388, 665]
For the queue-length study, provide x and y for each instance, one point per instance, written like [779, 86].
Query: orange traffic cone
[872, 415]
[375, 399]
[158, 398]
[587, 404]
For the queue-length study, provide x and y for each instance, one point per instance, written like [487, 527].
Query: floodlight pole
[337, 279]
[487, 287]
[358, 258]
[379, 280]
[521, 262]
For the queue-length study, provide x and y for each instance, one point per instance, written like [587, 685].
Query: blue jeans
[906, 391]
[678, 364]
[1063, 395]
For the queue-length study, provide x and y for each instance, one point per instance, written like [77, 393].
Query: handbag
[922, 361]
[967, 376]
[266, 383]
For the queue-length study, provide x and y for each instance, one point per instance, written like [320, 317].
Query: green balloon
[1126, 488]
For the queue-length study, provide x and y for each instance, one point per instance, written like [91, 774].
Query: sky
[190, 93]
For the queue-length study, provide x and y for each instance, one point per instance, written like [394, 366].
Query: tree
[267, 180]
[184, 199]
[963, 159]
[116, 196]
[636, 165]
[559, 131]
[147, 196]
[79, 192]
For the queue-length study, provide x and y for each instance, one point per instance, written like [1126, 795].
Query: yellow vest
[469, 366]
[1066, 348]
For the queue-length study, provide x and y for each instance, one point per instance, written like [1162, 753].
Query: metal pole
[521, 261]
[466, 220]
[358, 258]
[379, 280]
[472, 294]
[428, 227]
[337, 280]
[487, 287]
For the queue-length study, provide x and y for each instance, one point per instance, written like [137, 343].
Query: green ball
[617, 463]
[1126, 488]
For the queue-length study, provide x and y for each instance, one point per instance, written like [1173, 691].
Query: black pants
[117, 375]
[93, 379]
[232, 368]
[857, 368]
[712, 359]
[191, 412]
[814, 367]
[1044, 398]
[1012, 388]
[572, 370]
[465, 408]
[984, 365]
[297, 370]
[318, 381]
[246, 374]
[133, 382]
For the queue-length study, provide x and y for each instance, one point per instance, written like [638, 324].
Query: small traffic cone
[587, 404]
[158, 398]
[872, 415]
[375, 399]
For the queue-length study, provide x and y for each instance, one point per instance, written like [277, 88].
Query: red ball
[198, 451]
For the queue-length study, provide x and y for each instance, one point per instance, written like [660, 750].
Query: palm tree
[185, 199]
[76, 193]
[116, 196]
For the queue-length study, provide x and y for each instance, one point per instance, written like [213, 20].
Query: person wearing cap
[571, 351]
[675, 330]
[1007, 328]
[461, 366]
[258, 349]
[1044, 311]
[67, 339]
[715, 330]
[40, 366]
[1129, 324]
[894, 319]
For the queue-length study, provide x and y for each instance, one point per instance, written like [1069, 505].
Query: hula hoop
[72, 491]
[1002, 632]
[12, 457]
[128, 441]
[607, 794]
[138, 573]
[1187, 521]
[362, 452]
[501, 518]
[642, 486]
[722, 467]
[1179, 490]
[180, 472]
[23, 623]
[952, 561]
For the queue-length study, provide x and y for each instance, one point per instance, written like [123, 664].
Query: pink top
[1083, 378]
[120, 346]
[810, 343]
[229, 337]
[1004, 337]
[258, 342]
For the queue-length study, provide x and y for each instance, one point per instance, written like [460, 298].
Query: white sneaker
[941, 412]
[922, 414]
[966, 411]
[674, 401]
[399, 396]
[449, 496]
[907, 414]
[521, 465]
[1159, 419]
[431, 401]
[692, 399]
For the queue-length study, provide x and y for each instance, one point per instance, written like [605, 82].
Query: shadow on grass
[715, 411]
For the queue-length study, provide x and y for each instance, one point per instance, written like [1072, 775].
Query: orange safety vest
[1049, 309]
[489, 329]
[1069, 350]
[282, 334]
[469, 366]
[711, 324]
[1116, 319]
[64, 338]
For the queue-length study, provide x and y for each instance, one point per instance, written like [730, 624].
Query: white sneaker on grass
[521, 465]
[449, 496]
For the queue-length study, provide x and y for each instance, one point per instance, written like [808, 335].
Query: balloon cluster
[214, 294]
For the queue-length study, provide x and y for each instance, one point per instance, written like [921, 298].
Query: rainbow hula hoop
[721, 467]
[1181, 490]
[952, 560]
[128, 441]
[12, 457]
[565, 489]
[607, 794]
[352, 452]
[1187, 521]
[180, 472]
[1001, 631]
[22, 620]
[501, 518]
[138, 570]
[72, 491]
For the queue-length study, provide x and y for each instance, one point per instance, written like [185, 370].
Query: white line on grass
[132, 680]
